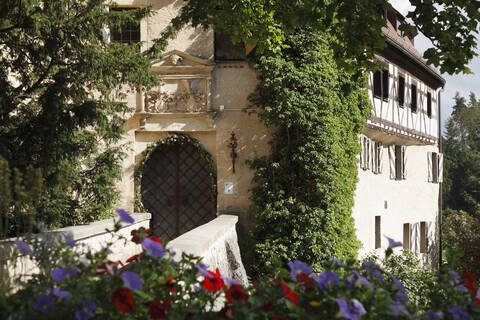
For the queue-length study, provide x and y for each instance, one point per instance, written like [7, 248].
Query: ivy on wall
[303, 193]
[173, 140]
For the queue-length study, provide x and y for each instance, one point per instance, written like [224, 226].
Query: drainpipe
[440, 150]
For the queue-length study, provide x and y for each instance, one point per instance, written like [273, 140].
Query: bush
[154, 285]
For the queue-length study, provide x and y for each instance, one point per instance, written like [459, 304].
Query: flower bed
[154, 285]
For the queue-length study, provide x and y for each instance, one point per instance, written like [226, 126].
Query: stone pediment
[178, 62]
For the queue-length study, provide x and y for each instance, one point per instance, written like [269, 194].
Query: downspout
[440, 150]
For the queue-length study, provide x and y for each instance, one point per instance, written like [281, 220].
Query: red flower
[109, 267]
[267, 306]
[306, 280]
[236, 293]
[135, 257]
[156, 239]
[226, 312]
[157, 310]
[170, 285]
[214, 283]
[123, 300]
[140, 234]
[289, 293]
[469, 282]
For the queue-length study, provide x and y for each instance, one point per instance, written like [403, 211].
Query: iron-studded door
[176, 189]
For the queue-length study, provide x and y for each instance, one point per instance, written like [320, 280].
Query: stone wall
[216, 242]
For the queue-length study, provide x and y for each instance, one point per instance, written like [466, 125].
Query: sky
[462, 83]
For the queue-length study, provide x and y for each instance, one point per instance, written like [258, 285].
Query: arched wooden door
[176, 188]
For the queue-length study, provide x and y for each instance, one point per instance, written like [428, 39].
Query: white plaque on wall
[228, 188]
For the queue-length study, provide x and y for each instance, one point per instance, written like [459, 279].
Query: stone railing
[216, 242]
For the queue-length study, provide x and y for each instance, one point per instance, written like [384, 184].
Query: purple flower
[124, 216]
[461, 288]
[86, 311]
[337, 261]
[57, 291]
[298, 266]
[398, 284]
[197, 288]
[59, 274]
[361, 280]
[153, 248]
[69, 241]
[23, 247]
[401, 297]
[477, 296]
[131, 280]
[231, 281]
[458, 313]
[44, 303]
[434, 315]
[202, 269]
[398, 309]
[392, 243]
[372, 268]
[352, 312]
[325, 279]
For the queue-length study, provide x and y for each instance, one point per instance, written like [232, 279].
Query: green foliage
[461, 221]
[303, 191]
[356, 26]
[60, 101]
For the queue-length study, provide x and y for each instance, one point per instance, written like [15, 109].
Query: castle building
[190, 138]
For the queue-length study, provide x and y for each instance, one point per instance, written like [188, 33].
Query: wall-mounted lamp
[233, 145]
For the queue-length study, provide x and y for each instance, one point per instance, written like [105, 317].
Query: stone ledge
[200, 239]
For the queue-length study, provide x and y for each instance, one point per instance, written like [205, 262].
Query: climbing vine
[177, 140]
[303, 193]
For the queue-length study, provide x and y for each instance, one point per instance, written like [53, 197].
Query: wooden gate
[176, 189]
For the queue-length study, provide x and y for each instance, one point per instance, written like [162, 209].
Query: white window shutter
[391, 153]
[404, 162]
[367, 153]
[380, 157]
[440, 167]
[362, 158]
[430, 167]
[372, 156]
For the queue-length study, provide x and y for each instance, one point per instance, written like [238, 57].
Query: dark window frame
[378, 228]
[377, 84]
[128, 33]
[413, 102]
[398, 162]
[381, 84]
[423, 237]
[429, 104]
[218, 39]
[401, 91]
[407, 233]
[435, 167]
[385, 84]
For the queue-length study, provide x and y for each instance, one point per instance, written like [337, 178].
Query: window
[423, 237]
[406, 236]
[371, 155]
[378, 239]
[435, 167]
[429, 104]
[380, 84]
[226, 50]
[414, 98]
[401, 91]
[377, 157]
[128, 33]
[398, 162]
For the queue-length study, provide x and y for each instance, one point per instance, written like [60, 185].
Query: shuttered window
[377, 84]
[435, 167]
[423, 237]
[378, 238]
[406, 236]
[385, 81]
[429, 104]
[128, 33]
[401, 91]
[398, 162]
[414, 98]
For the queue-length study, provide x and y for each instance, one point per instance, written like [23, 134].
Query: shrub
[155, 285]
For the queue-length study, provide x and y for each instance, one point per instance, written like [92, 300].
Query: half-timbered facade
[400, 165]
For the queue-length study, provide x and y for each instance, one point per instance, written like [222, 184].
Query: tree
[60, 101]
[461, 192]
[303, 193]
[356, 26]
